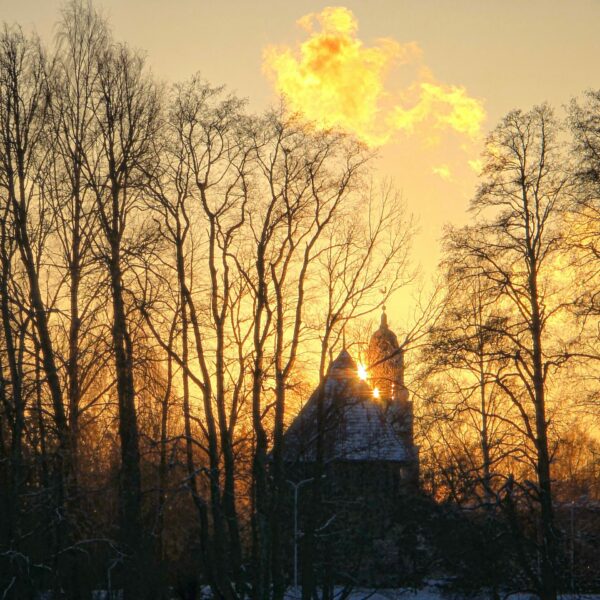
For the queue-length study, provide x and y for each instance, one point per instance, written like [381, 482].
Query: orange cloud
[447, 106]
[334, 81]
[443, 171]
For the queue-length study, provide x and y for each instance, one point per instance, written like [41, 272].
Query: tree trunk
[260, 514]
[549, 566]
[130, 477]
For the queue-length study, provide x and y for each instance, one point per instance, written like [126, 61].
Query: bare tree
[200, 191]
[513, 246]
[465, 354]
[126, 110]
[82, 37]
[584, 122]
[25, 152]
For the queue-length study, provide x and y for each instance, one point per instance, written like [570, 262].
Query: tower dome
[385, 360]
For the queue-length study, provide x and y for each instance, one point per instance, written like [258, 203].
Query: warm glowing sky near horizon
[440, 74]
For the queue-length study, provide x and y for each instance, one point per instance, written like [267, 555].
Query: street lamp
[296, 487]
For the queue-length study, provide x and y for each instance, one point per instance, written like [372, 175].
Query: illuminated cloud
[447, 106]
[443, 171]
[476, 165]
[334, 81]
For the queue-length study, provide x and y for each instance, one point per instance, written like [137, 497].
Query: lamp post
[572, 553]
[296, 487]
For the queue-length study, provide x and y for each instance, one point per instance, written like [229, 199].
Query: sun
[363, 374]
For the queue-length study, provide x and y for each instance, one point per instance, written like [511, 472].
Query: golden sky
[423, 80]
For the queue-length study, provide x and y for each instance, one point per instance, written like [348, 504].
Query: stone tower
[385, 364]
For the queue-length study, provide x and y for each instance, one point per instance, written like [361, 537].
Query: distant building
[366, 425]
[359, 424]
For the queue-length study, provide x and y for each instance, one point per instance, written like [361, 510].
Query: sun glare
[375, 392]
[362, 372]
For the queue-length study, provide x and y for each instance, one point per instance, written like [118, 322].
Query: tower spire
[384, 322]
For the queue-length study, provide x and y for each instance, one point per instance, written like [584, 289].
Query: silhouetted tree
[514, 245]
[125, 122]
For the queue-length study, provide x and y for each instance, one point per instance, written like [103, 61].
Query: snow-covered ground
[429, 592]
[434, 591]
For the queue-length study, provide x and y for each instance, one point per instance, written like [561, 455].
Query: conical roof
[355, 427]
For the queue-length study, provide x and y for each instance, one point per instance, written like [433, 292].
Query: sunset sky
[422, 80]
